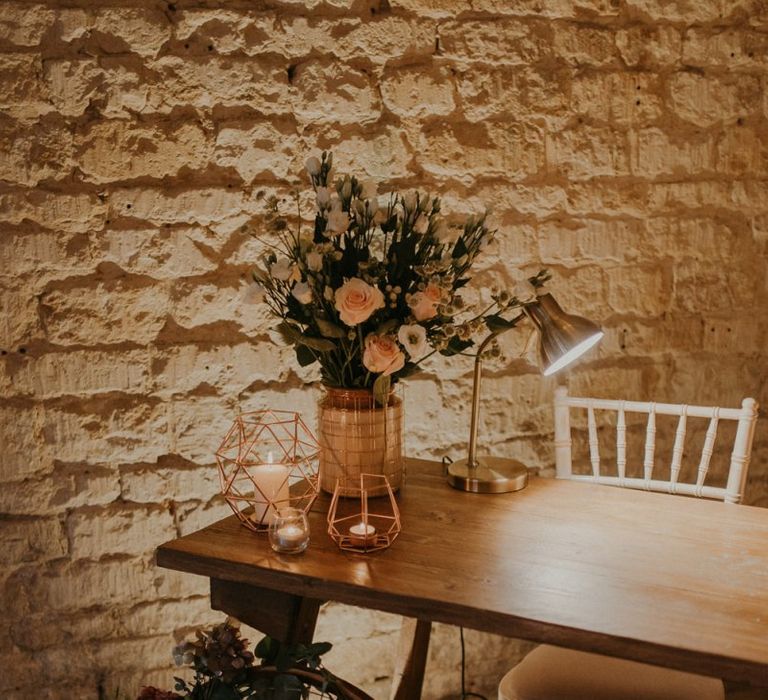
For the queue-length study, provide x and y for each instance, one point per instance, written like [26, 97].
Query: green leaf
[459, 249]
[381, 389]
[305, 356]
[387, 326]
[329, 330]
[497, 324]
[266, 649]
[293, 336]
[455, 346]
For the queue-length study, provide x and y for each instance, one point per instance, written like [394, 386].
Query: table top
[675, 581]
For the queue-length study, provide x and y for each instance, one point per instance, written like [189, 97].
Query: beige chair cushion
[552, 673]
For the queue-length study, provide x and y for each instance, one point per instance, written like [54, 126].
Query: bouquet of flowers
[372, 291]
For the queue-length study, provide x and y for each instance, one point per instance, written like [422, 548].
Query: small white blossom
[315, 261]
[302, 292]
[282, 270]
[323, 198]
[313, 165]
[413, 338]
[421, 224]
[338, 221]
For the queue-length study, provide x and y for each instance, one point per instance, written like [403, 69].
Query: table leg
[288, 618]
[411, 659]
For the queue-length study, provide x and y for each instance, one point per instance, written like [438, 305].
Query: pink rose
[356, 300]
[424, 304]
[382, 355]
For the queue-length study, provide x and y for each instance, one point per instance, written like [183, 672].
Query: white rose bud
[323, 197]
[313, 166]
[314, 261]
[338, 221]
[346, 187]
[302, 293]
[421, 225]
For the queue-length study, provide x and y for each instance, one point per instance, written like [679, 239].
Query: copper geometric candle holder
[268, 460]
[360, 522]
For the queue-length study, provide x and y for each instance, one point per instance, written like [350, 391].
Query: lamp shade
[562, 337]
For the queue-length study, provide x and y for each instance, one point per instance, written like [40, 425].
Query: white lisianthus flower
[323, 198]
[409, 201]
[282, 270]
[302, 292]
[338, 221]
[313, 165]
[379, 216]
[444, 233]
[413, 338]
[525, 291]
[421, 224]
[254, 293]
[346, 187]
[315, 261]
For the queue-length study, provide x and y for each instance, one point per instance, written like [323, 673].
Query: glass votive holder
[289, 531]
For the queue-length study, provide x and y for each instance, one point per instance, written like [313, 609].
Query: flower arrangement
[225, 670]
[372, 291]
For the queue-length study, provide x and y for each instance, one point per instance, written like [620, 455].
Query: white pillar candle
[272, 482]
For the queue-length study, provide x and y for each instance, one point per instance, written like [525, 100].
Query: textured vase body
[357, 436]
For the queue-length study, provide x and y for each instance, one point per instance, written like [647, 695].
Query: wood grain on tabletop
[665, 579]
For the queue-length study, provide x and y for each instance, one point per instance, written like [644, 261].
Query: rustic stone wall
[621, 143]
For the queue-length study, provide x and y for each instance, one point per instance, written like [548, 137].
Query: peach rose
[424, 304]
[382, 355]
[356, 301]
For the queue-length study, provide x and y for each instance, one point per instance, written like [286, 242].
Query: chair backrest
[746, 416]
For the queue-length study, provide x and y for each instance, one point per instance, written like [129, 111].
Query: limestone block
[23, 24]
[707, 100]
[580, 45]
[441, 9]
[618, 98]
[160, 253]
[43, 255]
[105, 429]
[263, 151]
[570, 242]
[683, 12]
[19, 322]
[409, 92]
[23, 94]
[116, 310]
[453, 150]
[650, 46]
[380, 156]
[38, 540]
[505, 41]
[116, 30]
[584, 151]
[389, 37]
[79, 373]
[725, 47]
[743, 149]
[43, 155]
[329, 91]
[119, 530]
[194, 515]
[116, 150]
[513, 92]
[208, 81]
[71, 213]
[21, 428]
[226, 368]
[554, 9]
[170, 479]
[203, 206]
[643, 290]
[654, 152]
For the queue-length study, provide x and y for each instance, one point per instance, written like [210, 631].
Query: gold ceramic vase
[358, 436]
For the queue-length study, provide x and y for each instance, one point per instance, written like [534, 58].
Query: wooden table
[668, 580]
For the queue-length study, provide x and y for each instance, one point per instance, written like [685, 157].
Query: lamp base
[489, 475]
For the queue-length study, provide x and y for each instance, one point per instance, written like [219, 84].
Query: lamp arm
[478, 371]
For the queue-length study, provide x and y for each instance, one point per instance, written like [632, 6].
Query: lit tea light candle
[290, 537]
[271, 481]
[361, 530]
[289, 531]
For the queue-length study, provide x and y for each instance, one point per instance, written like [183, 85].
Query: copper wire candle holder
[268, 461]
[360, 522]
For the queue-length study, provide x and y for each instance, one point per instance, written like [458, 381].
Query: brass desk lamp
[562, 339]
